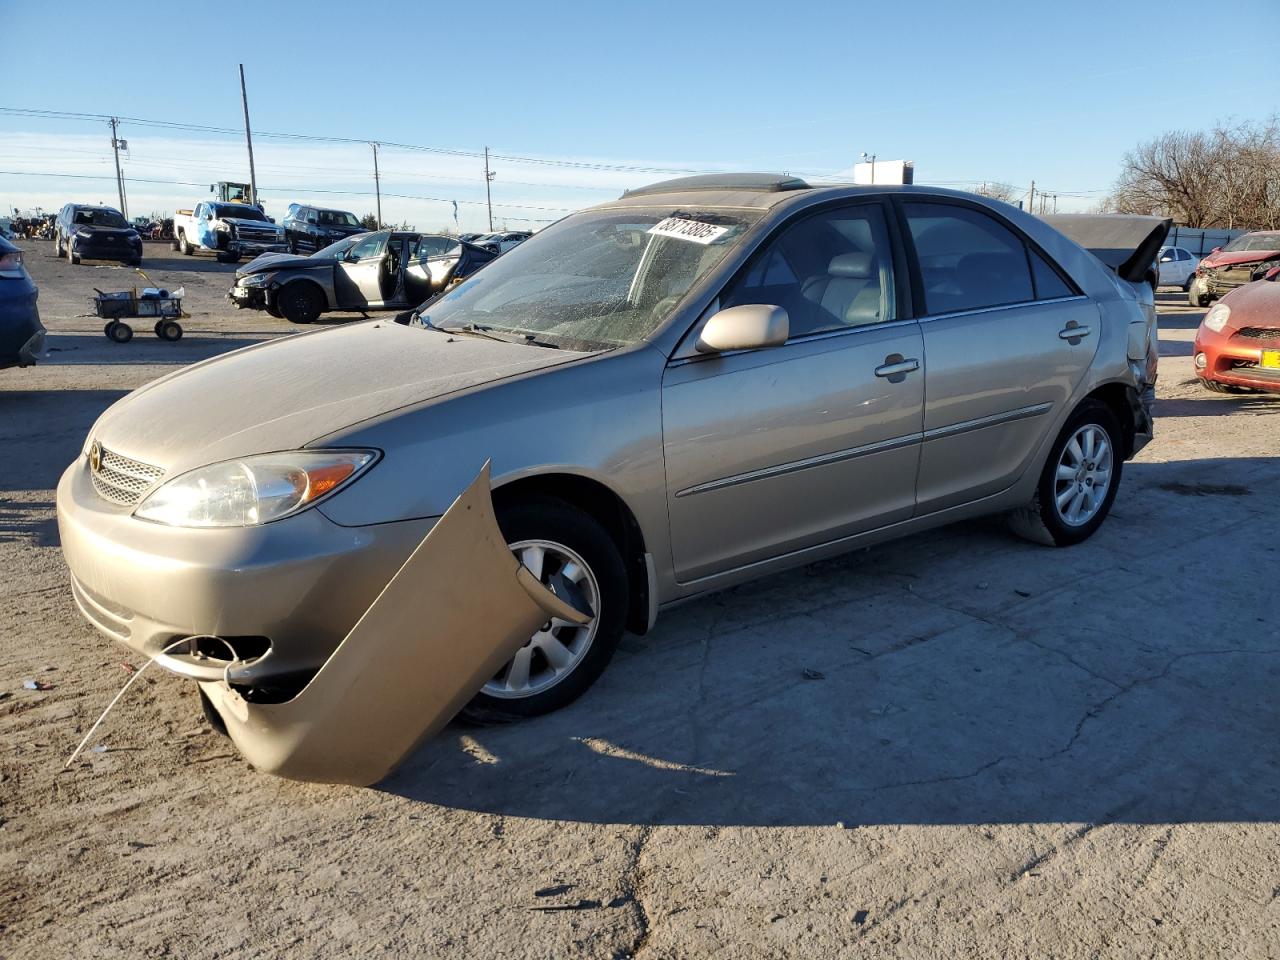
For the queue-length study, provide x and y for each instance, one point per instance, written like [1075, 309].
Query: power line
[444, 151]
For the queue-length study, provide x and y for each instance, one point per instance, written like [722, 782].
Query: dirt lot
[957, 745]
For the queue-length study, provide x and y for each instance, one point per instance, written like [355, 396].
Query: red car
[1244, 259]
[1238, 343]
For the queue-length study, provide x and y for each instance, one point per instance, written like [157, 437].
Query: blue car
[21, 333]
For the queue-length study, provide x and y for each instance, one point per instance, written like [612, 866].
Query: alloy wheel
[558, 647]
[1083, 475]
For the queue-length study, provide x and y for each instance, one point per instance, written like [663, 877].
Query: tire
[119, 332]
[1194, 297]
[274, 312]
[173, 245]
[183, 247]
[72, 255]
[300, 302]
[552, 526]
[1042, 520]
[1186, 284]
[293, 246]
[136, 262]
[57, 247]
[169, 330]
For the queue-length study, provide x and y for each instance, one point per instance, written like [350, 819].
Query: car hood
[281, 261]
[1229, 258]
[246, 222]
[287, 393]
[1255, 304]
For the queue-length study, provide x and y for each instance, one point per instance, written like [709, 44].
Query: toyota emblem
[95, 456]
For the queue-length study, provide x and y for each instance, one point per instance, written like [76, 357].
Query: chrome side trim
[795, 465]
[1021, 304]
[1009, 416]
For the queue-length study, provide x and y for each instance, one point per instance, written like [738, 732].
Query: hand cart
[151, 302]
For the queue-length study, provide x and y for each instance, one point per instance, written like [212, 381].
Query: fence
[1200, 243]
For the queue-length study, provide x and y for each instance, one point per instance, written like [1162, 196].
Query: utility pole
[115, 147]
[488, 178]
[248, 139]
[1031, 201]
[377, 182]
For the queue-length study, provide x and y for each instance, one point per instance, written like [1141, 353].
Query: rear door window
[1049, 283]
[967, 259]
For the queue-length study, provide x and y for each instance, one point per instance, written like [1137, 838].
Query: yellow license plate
[1271, 359]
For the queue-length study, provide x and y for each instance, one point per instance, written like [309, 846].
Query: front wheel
[300, 302]
[574, 556]
[1194, 296]
[1079, 480]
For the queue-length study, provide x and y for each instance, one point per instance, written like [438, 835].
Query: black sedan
[21, 333]
[385, 270]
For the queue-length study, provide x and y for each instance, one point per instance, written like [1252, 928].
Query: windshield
[237, 211]
[594, 280]
[100, 218]
[339, 249]
[337, 218]
[1254, 241]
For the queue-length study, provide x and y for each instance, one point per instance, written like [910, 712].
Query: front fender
[458, 608]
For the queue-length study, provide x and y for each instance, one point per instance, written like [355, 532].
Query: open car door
[455, 612]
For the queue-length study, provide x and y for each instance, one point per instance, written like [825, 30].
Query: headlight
[11, 264]
[84, 234]
[257, 279]
[1217, 317]
[242, 493]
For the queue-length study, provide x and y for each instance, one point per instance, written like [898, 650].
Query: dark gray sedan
[385, 270]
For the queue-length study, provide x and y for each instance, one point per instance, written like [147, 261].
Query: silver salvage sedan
[703, 382]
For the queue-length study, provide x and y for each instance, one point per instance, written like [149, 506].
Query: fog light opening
[1201, 361]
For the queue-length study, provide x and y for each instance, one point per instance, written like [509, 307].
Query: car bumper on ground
[282, 595]
[1235, 360]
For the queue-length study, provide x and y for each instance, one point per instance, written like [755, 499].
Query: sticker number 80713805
[694, 231]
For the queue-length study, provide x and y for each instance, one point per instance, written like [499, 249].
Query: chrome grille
[122, 480]
[1259, 333]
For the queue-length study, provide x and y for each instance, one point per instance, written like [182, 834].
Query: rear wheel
[573, 555]
[1079, 480]
[300, 302]
[183, 247]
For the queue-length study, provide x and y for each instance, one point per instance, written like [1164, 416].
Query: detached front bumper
[294, 587]
[253, 248]
[1235, 360]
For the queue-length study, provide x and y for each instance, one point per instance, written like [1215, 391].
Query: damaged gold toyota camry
[347, 536]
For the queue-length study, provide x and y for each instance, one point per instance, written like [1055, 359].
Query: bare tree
[1225, 177]
[997, 191]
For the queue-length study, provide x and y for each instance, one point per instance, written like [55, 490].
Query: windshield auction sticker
[692, 230]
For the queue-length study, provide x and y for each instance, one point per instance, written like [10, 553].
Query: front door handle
[897, 366]
[1073, 332]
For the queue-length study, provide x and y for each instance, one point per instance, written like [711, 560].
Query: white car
[1177, 267]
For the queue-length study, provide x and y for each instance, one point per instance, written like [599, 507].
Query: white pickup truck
[230, 230]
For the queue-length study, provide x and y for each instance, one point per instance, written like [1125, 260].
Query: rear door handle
[1073, 331]
[897, 368]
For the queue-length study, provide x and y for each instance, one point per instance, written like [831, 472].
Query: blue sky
[969, 91]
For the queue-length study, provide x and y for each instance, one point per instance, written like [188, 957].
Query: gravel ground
[956, 745]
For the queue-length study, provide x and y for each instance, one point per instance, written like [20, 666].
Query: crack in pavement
[632, 883]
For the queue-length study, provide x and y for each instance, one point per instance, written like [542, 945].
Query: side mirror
[1272, 274]
[748, 326]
